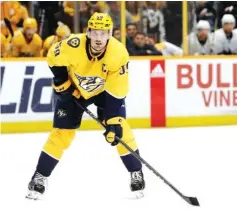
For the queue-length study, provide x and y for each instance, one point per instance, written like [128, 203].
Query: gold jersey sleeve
[60, 53]
[49, 41]
[117, 82]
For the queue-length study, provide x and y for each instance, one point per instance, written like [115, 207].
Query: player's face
[203, 33]
[99, 39]
[140, 40]
[29, 33]
[228, 27]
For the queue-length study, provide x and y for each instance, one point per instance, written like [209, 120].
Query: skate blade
[33, 195]
[138, 194]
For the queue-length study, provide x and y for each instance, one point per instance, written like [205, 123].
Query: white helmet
[202, 24]
[228, 18]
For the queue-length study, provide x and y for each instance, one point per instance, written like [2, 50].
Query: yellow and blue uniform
[92, 75]
[102, 80]
[21, 46]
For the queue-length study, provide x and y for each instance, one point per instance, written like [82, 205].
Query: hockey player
[26, 43]
[12, 11]
[200, 41]
[91, 68]
[62, 32]
[4, 45]
[225, 39]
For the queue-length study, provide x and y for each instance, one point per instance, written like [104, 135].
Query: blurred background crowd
[28, 29]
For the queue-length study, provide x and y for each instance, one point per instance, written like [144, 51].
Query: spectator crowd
[29, 29]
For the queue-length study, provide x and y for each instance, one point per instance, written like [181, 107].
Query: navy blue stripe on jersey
[131, 163]
[46, 164]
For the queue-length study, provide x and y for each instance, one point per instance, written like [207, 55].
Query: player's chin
[98, 49]
[29, 36]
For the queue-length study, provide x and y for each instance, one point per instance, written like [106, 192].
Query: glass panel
[202, 21]
[48, 16]
[159, 21]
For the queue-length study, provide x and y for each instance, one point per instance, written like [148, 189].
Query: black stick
[190, 200]
[9, 26]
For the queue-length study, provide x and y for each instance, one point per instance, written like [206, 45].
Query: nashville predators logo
[74, 42]
[90, 84]
[61, 113]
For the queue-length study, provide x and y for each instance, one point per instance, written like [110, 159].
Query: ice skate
[37, 187]
[137, 183]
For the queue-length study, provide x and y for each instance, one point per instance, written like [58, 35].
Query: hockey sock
[46, 164]
[131, 163]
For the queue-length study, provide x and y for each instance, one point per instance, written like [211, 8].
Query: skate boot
[37, 186]
[137, 183]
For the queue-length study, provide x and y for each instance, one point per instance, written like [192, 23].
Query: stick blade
[192, 200]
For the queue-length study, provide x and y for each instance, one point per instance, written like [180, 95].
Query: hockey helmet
[202, 24]
[30, 23]
[101, 21]
[228, 18]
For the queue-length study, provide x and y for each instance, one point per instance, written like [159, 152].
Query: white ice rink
[200, 162]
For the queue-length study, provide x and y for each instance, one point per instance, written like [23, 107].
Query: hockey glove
[66, 91]
[113, 128]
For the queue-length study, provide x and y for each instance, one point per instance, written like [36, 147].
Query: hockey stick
[191, 200]
[9, 26]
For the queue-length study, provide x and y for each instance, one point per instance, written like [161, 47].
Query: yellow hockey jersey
[20, 47]
[49, 41]
[92, 74]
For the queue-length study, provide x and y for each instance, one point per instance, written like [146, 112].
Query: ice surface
[200, 162]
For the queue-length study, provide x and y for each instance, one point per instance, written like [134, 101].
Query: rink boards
[164, 92]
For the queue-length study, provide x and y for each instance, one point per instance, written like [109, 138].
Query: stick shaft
[9, 26]
[133, 152]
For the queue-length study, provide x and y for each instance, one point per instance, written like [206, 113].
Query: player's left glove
[66, 91]
[113, 128]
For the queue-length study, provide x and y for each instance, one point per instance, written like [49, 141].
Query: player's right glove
[66, 91]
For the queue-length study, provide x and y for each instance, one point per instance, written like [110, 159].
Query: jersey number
[57, 49]
[99, 18]
[124, 69]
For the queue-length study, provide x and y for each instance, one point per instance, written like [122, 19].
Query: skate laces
[136, 177]
[40, 179]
